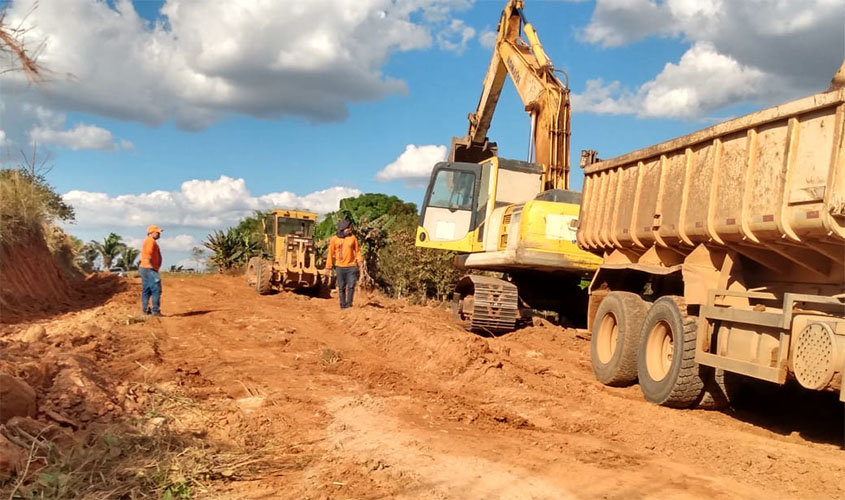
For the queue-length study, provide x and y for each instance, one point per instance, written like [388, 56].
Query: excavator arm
[545, 97]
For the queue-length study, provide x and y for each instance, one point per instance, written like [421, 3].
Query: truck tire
[252, 272]
[615, 338]
[721, 389]
[666, 366]
[264, 275]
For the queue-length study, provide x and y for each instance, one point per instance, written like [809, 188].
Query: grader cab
[290, 265]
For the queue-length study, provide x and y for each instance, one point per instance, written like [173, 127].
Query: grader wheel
[252, 272]
[264, 275]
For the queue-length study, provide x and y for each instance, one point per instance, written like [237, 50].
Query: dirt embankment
[238, 396]
[33, 284]
[31, 278]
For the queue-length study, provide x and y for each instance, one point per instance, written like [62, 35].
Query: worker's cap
[343, 224]
[153, 229]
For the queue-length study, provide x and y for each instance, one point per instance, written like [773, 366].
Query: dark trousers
[150, 289]
[346, 279]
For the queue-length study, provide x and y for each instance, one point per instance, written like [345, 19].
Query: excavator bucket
[465, 151]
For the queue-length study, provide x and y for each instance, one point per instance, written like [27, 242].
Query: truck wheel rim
[608, 334]
[660, 349]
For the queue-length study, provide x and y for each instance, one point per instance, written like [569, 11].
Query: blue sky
[191, 114]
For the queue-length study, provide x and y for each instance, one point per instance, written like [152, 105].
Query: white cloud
[603, 98]
[27, 122]
[80, 137]
[208, 59]
[202, 204]
[414, 165]
[703, 80]
[455, 36]
[487, 39]
[178, 243]
[739, 50]
[323, 201]
[618, 22]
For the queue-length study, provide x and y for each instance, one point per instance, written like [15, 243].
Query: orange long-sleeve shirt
[344, 250]
[150, 254]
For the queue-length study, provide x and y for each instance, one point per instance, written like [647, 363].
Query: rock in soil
[17, 396]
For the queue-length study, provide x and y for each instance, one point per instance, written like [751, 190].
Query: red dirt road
[388, 400]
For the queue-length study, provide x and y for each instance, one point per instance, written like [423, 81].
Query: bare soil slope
[388, 400]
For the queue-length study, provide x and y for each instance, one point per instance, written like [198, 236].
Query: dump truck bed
[769, 185]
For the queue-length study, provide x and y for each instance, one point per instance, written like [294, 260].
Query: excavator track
[486, 304]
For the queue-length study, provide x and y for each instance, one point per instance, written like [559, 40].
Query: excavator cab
[461, 196]
[450, 211]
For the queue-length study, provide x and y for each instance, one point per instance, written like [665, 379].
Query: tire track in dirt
[391, 401]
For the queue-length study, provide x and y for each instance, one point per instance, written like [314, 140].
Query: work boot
[158, 315]
[147, 312]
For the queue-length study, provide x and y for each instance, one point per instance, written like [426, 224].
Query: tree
[368, 206]
[232, 248]
[127, 258]
[86, 255]
[110, 248]
[405, 269]
[197, 255]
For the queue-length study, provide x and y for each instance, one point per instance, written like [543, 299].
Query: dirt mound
[36, 284]
[32, 279]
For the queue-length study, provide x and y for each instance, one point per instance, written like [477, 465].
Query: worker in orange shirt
[148, 269]
[343, 247]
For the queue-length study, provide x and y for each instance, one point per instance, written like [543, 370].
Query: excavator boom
[545, 97]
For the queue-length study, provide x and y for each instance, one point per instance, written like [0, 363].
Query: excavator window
[453, 189]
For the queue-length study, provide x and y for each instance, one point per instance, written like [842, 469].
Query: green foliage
[407, 270]
[127, 257]
[86, 256]
[252, 224]
[366, 207]
[232, 248]
[386, 227]
[111, 246]
[27, 202]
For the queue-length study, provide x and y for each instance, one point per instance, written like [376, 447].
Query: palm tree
[110, 248]
[127, 258]
[232, 249]
[87, 255]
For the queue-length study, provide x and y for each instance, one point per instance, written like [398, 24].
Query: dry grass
[146, 457]
[329, 356]
[22, 204]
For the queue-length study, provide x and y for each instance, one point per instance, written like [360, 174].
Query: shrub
[28, 202]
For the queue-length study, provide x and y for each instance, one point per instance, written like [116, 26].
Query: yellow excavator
[508, 216]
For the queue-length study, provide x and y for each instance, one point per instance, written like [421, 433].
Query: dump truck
[723, 255]
[289, 261]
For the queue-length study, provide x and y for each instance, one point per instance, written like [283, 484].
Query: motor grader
[290, 262]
